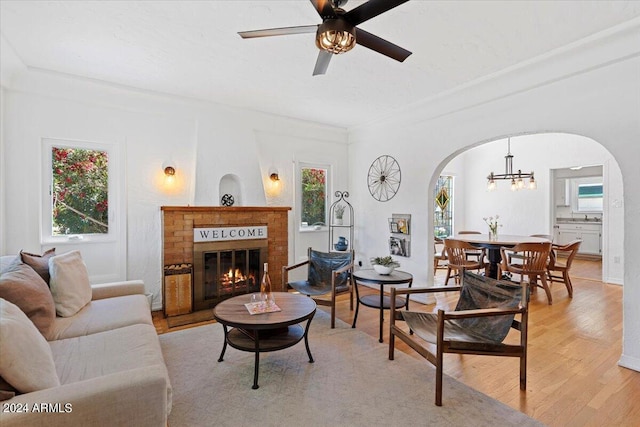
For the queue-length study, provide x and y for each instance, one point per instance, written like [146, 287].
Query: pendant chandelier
[517, 179]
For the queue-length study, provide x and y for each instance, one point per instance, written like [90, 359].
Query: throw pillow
[26, 361]
[22, 286]
[40, 263]
[69, 283]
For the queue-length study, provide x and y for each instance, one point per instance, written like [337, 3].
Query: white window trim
[46, 223]
[329, 190]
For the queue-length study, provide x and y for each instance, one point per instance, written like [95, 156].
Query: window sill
[84, 240]
[315, 229]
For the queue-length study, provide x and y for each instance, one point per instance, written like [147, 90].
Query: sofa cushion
[69, 283]
[103, 315]
[26, 360]
[40, 263]
[108, 352]
[6, 261]
[22, 286]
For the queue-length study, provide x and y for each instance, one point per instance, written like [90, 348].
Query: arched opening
[526, 212]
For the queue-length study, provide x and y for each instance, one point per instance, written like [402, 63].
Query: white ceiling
[192, 49]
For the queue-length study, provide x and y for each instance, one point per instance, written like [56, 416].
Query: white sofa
[108, 362]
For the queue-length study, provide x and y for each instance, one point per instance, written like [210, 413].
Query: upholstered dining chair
[485, 313]
[560, 260]
[531, 262]
[328, 274]
[476, 253]
[457, 256]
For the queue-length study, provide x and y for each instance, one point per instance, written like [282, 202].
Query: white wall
[204, 141]
[592, 90]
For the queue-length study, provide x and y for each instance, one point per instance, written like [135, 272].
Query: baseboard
[629, 362]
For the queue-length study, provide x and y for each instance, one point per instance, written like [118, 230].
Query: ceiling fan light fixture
[336, 36]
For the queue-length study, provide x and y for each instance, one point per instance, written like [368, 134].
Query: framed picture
[398, 246]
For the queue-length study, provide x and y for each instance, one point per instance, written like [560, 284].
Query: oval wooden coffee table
[264, 332]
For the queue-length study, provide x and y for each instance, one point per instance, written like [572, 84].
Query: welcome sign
[220, 234]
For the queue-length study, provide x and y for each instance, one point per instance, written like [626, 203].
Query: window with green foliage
[314, 196]
[80, 191]
[443, 207]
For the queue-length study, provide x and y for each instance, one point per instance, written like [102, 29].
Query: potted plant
[339, 212]
[384, 265]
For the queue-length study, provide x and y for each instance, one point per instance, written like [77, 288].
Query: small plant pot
[385, 270]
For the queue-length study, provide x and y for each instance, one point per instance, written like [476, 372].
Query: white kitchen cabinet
[561, 192]
[590, 234]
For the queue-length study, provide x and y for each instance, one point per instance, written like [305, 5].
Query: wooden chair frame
[560, 271]
[331, 302]
[439, 256]
[457, 256]
[534, 258]
[444, 345]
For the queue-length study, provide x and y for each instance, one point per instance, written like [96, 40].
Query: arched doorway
[534, 211]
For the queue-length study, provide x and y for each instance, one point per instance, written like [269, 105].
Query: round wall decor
[227, 200]
[384, 178]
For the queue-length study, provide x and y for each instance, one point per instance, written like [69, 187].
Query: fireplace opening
[223, 270]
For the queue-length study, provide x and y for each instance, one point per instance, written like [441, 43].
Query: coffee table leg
[257, 363]
[224, 346]
[381, 310]
[306, 340]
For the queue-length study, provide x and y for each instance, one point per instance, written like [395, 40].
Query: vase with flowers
[493, 226]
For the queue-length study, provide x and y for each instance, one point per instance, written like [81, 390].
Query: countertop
[577, 221]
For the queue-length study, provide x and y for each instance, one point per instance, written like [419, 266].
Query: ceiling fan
[338, 32]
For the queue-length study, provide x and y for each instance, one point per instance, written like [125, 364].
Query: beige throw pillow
[69, 283]
[26, 361]
[22, 286]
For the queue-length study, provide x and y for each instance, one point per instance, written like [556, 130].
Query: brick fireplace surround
[178, 223]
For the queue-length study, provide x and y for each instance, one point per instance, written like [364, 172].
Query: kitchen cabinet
[590, 234]
[561, 192]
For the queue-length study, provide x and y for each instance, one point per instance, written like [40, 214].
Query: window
[443, 207]
[590, 197]
[78, 191]
[313, 206]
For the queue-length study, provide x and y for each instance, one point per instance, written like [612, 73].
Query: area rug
[351, 383]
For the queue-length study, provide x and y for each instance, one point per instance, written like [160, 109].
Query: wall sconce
[273, 175]
[169, 174]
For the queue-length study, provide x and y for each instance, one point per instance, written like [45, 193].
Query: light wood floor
[574, 345]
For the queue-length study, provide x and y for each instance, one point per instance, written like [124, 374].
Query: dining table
[493, 244]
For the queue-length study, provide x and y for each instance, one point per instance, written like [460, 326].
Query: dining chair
[439, 255]
[558, 269]
[479, 254]
[485, 313]
[457, 258]
[543, 236]
[532, 263]
[328, 273]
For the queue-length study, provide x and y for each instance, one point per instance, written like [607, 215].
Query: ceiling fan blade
[278, 31]
[324, 8]
[322, 63]
[381, 45]
[370, 9]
